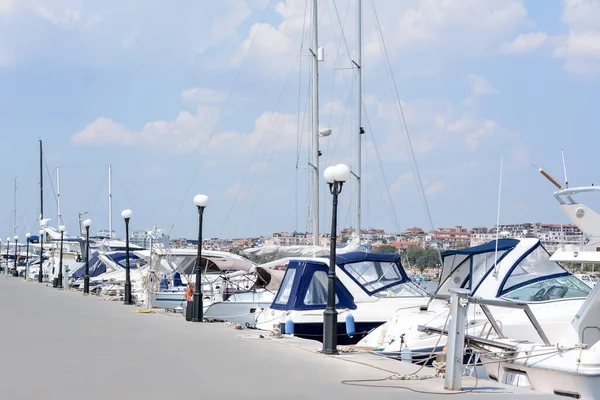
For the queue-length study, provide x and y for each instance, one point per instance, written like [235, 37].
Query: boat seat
[557, 292]
[164, 284]
[177, 280]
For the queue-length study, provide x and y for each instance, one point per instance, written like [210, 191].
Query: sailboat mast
[358, 65]
[59, 216]
[41, 183]
[15, 209]
[315, 126]
[110, 201]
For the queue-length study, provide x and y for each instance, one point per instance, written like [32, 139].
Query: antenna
[497, 222]
[551, 179]
[562, 153]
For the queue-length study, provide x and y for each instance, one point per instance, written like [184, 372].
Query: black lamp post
[7, 247]
[61, 229]
[27, 236]
[86, 276]
[126, 215]
[201, 201]
[15, 272]
[335, 177]
[41, 274]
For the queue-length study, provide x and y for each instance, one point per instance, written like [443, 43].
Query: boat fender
[350, 327]
[289, 327]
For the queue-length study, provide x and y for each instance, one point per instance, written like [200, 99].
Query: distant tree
[385, 249]
[343, 239]
[384, 241]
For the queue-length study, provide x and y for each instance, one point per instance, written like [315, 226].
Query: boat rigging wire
[259, 147]
[220, 116]
[401, 115]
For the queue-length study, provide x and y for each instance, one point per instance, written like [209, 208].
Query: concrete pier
[62, 345]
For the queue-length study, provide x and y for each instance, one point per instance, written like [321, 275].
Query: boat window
[535, 266]
[374, 275]
[481, 264]
[406, 289]
[283, 295]
[316, 294]
[564, 287]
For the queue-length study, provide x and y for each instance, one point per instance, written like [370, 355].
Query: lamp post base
[86, 285]
[197, 309]
[60, 281]
[330, 332]
[127, 295]
[15, 273]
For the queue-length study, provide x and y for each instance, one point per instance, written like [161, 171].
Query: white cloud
[435, 188]
[480, 86]
[203, 95]
[189, 132]
[525, 43]
[581, 48]
[101, 30]
[5, 6]
[454, 27]
[426, 28]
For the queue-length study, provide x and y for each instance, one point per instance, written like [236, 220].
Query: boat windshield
[285, 290]
[534, 268]
[563, 287]
[382, 277]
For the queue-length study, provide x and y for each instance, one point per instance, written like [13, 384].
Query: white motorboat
[509, 269]
[370, 287]
[569, 366]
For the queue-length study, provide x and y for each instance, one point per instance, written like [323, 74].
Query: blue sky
[209, 97]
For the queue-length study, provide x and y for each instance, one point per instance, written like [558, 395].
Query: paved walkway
[62, 345]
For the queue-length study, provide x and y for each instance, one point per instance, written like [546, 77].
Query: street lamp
[27, 236]
[15, 272]
[40, 275]
[335, 176]
[201, 201]
[86, 277]
[61, 229]
[126, 215]
[7, 247]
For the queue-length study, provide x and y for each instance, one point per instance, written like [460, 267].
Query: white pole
[14, 211]
[315, 126]
[498, 222]
[109, 202]
[562, 153]
[59, 217]
[358, 65]
[456, 339]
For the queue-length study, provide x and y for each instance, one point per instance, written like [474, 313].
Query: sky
[208, 97]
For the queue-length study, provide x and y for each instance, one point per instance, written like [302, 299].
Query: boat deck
[63, 345]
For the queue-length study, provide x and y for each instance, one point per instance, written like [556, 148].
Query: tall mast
[58, 216]
[315, 126]
[110, 202]
[41, 183]
[358, 66]
[15, 209]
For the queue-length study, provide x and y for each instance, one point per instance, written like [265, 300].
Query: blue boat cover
[503, 244]
[357, 256]
[299, 291]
